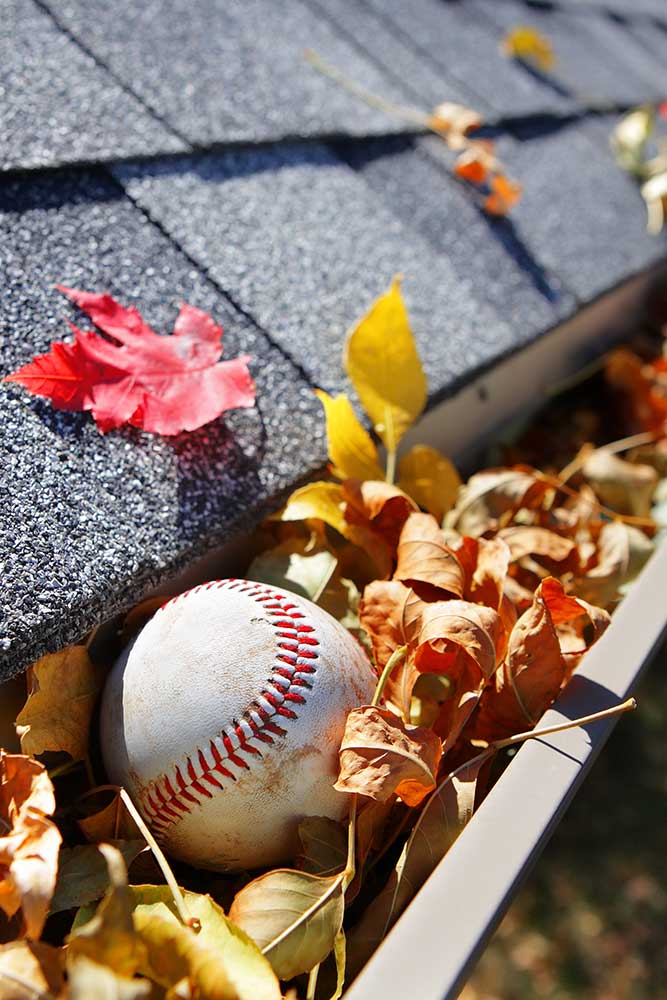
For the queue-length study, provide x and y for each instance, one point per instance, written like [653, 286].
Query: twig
[396, 657]
[179, 901]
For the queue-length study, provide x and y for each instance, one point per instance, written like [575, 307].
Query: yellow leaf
[382, 362]
[221, 961]
[351, 450]
[56, 716]
[293, 917]
[323, 501]
[29, 843]
[524, 42]
[430, 479]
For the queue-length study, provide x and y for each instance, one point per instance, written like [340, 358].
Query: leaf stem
[390, 474]
[179, 901]
[612, 448]
[625, 706]
[396, 657]
[640, 522]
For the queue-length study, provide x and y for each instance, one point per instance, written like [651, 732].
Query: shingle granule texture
[58, 106]
[222, 72]
[413, 177]
[89, 522]
[304, 245]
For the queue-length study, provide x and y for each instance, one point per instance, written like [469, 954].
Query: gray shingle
[415, 179]
[598, 62]
[58, 106]
[581, 215]
[302, 243]
[89, 521]
[222, 72]
[463, 43]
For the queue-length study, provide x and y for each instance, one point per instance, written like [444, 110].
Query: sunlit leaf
[381, 360]
[30, 970]
[381, 756]
[628, 487]
[430, 479]
[425, 561]
[220, 960]
[350, 447]
[529, 44]
[88, 980]
[29, 841]
[293, 917]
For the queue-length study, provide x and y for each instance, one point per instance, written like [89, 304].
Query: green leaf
[382, 362]
[293, 917]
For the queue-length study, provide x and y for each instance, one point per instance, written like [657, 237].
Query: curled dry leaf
[30, 842]
[30, 970]
[535, 668]
[443, 816]
[293, 918]
[63, 689]
[350, 447]
[503, 196]
[381, 756]
[382, 362]
[389, 612]
[460, 640]
[485, 562]
[622, 552]
[627, 487]
[385, 506]
[219, 962]
[492, 495]
[530, 540]
[430, 479]
[105, 816]
[451, 117]
[425, 563]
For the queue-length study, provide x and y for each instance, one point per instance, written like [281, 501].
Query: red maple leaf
[162, 384]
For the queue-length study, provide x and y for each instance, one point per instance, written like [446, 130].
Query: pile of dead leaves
[476, 602]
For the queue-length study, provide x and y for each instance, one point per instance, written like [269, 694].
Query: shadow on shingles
[358, 154]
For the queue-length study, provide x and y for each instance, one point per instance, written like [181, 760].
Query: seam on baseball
[209, 770]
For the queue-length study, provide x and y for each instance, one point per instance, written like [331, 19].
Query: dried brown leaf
[30, 842]
[381, 756]
[30, 970]
[63, 690]
[425, 563]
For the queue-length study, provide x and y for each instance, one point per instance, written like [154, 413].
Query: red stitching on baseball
[172, 796]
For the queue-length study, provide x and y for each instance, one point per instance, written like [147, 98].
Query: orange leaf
[493, 495]
[389, 612]
[29, 848]
[381, 756]
[505, 193]
[460, 640]
[535, 667]
[528, 540]
[425, 563]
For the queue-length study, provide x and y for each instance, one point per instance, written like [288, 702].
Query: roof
[171, 151]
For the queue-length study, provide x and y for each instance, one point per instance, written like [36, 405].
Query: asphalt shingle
[58, 106]
[234, 71]
[414, 178]
[597, 62]
[580, 214]
[304, 245]
[89, 522]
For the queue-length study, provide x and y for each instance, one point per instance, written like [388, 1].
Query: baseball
[223, 719]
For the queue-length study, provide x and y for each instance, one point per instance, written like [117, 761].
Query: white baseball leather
[224, 717]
